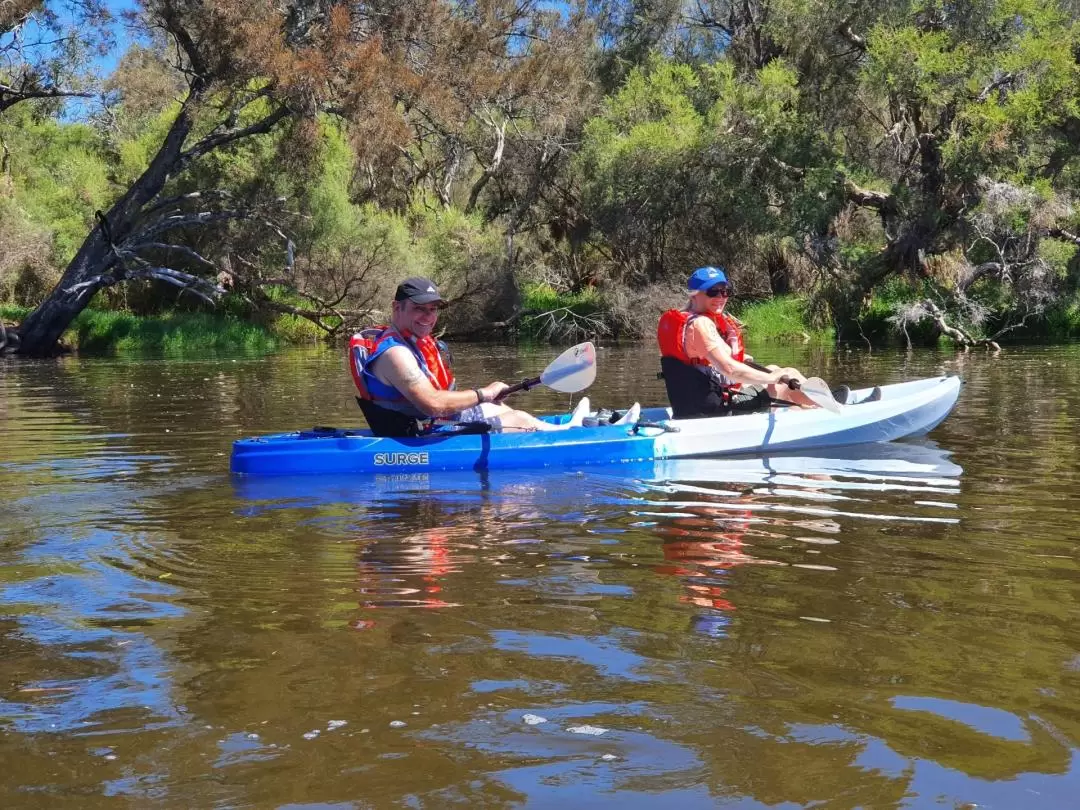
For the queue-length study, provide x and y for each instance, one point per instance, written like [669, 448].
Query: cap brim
[428, 299]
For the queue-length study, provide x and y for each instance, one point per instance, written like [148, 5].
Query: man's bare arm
[398, 367]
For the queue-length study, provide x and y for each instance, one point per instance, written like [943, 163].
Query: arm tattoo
[411, 376]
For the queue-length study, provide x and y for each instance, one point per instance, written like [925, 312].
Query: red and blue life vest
[366, 346]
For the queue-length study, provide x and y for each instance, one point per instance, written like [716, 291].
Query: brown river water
[881, 626]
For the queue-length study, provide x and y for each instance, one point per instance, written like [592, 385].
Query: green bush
[13, 313]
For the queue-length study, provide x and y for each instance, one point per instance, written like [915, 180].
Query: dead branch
[565, 324]
[212, 142]
[1001, 81]
[1061, 233]
[878, 200]
[976, 273]
[10, 96]
[181, 249]
[955, 332]
[844, 30]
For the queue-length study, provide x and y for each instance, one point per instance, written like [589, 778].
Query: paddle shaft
[524, 385]
[819, 395]
[793, 384]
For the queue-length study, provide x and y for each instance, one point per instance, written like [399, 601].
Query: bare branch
[983, 270]
[1061, 233]
[844, 30]
[929, 308]
[878, 200]
[181, 249]
[211, 142]
[1001, 81]
[10, 96]
[216, 193]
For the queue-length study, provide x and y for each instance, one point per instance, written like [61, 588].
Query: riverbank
[784, 319]
[186, 333]
[172, 334]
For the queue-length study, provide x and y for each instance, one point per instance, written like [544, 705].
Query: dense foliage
[906, 168]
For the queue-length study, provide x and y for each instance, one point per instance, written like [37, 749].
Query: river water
[884, 626]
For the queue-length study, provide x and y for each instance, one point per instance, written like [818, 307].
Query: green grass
[542, 298]
[538, 299]
[177, 334]
[173, 334]
[780, 319]
[13, 314]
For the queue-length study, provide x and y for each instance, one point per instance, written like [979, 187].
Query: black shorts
[750, 398]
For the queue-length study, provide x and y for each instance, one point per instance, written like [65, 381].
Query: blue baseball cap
[705, 277]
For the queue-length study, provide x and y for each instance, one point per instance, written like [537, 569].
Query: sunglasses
[718, 290]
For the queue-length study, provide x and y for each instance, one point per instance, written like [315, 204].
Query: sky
[31, 34]
[36, 39]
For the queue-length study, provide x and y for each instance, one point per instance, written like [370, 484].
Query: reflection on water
[878, 626]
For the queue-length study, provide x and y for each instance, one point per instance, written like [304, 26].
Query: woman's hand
[785, 375]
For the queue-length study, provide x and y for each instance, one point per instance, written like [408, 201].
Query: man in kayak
[404, 377]
[703, 360]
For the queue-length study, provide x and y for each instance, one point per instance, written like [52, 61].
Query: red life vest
[432, 356]
[671, 335]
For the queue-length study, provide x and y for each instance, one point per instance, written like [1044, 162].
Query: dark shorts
[750, 398]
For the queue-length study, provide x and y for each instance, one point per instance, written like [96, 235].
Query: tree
[44, 54]
[955, 101]
[251, 66]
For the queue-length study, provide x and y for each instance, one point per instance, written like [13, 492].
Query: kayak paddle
[815, 388]
[572, 371]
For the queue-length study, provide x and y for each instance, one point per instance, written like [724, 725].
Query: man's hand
[492, 391]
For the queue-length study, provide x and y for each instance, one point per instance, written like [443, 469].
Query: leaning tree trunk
[39, 333]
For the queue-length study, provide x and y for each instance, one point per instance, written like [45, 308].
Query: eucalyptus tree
[251, 67]
[968, 116]
[873, 140]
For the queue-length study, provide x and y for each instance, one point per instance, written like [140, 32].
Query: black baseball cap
[419, 290]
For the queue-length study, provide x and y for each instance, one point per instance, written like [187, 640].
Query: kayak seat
[386, 423]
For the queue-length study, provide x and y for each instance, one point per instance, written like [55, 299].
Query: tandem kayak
[903, 410]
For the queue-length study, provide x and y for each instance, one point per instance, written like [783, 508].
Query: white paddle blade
[819, 392]
[572, 371]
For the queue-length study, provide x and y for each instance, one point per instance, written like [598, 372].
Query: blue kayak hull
[905, 409]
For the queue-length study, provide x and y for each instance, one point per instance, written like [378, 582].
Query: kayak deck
[905, 409]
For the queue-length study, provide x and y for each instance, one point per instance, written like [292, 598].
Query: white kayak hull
[904, 410]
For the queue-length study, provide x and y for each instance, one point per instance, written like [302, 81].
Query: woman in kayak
[405, 380]
[702, 357]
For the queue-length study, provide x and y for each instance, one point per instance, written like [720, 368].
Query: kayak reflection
[711, 516]
[879, 464]
[711, 512]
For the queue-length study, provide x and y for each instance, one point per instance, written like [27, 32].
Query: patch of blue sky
[987, 720]
[38, 43]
